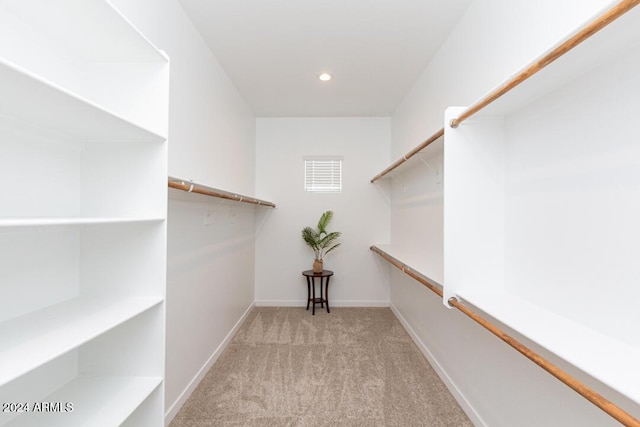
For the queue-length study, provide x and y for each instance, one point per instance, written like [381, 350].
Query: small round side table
[311, 288]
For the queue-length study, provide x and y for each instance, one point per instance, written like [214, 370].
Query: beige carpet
[353, 367]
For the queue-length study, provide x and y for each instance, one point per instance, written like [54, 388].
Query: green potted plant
[321, 241]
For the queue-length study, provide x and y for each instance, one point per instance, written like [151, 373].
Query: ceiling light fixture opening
[325, 77]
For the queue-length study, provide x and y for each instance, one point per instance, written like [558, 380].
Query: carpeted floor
[353, 367]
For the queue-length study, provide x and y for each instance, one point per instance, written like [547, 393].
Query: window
[323, 174]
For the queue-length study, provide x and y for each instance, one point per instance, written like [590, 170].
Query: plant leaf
[311, 237]
[332, 248]
[324, 221]
[320, 240]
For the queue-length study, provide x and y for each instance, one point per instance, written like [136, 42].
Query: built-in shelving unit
[83, 125]
[603, 356]
[540, 203]
[124, 393]
[192, 187]
[546, 168]
[44, 222]
[60, 110]
[36, 338]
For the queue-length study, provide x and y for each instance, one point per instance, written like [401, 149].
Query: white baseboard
[175, 408]
[280, 303]
[298, 303]
[453, 389]
[361, 303]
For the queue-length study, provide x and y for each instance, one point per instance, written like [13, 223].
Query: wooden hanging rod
[599, 23]
[597, 399]
[191, 187]
[439, 133]
[592, 396]
[409, 271]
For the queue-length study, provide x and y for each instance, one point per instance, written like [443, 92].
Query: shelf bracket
[435, 171]
[427, 163]
[399, 182]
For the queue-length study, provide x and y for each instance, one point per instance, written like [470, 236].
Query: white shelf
[45, 222]
[415, 261]
[608, 43]
[84, 122]
[97, 401]
[610, 361]
[107, 36]
[26, 98]
[34, 339]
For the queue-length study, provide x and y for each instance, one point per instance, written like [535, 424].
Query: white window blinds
[323, 174]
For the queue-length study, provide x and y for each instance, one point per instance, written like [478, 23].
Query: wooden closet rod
[599, 23]
[408, 270]
[439, 133]
[190, 187]
[592, 396]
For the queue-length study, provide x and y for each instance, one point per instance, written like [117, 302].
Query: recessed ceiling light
[325, 77]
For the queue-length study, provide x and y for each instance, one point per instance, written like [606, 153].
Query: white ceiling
[273, 50]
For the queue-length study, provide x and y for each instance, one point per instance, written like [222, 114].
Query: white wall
[361, 211]
[493, 40]
[210, 282]
[563, 181]
[495, 385]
